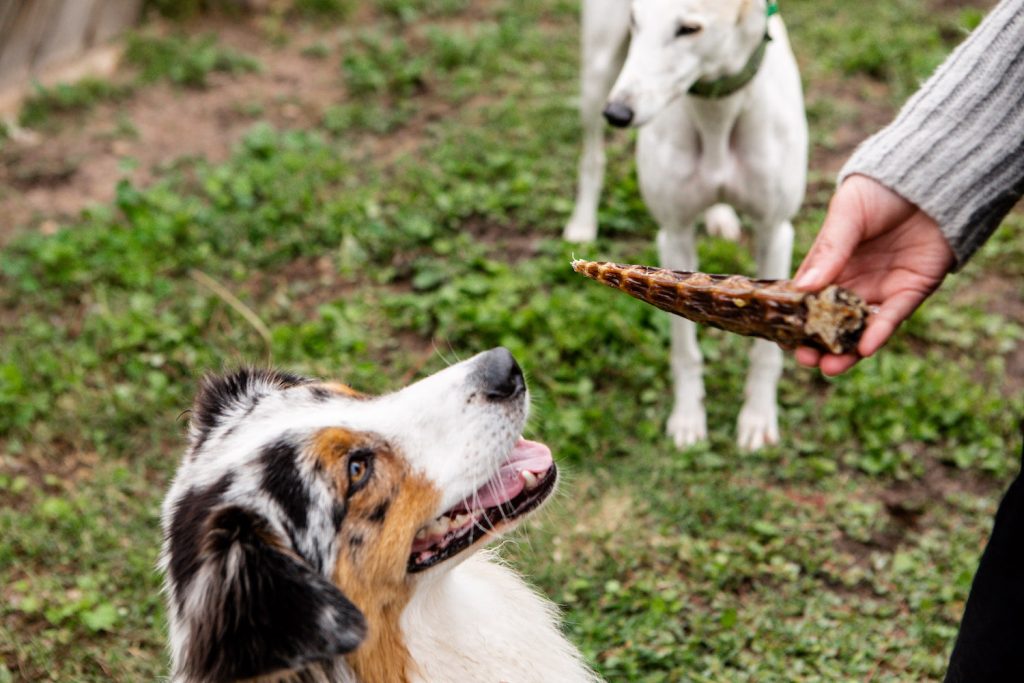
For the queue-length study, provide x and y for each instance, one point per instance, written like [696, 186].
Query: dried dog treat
[831, 320]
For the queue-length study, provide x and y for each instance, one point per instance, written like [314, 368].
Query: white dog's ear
[251, 607]
[745, 7]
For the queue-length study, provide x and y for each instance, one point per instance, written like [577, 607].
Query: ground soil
[48, 177]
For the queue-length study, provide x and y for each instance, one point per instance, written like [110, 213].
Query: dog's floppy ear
[254, 608]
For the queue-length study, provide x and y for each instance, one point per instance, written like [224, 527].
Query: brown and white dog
[316, 534]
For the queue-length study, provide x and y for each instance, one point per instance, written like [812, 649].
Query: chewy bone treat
[831, 320]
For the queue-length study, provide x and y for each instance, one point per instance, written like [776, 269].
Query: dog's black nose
[618, 114]
[500, 375]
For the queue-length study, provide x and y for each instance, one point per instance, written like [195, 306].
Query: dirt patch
[954, 5]
[609, 514]
[56, 471]
[53, 176]
[862, 106]
[813, 499]
[911, 504]
[47, 179]
[996, 294]
[938, 483]
[1014, 379]
[309, 282]
[513, 245]
[884, 542]
[606, 515]
[1000, 295]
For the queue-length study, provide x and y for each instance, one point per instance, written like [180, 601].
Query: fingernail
[808, 277]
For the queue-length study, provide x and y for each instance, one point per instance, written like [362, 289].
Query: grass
[845, 553]
[182, 60]
[47, 102]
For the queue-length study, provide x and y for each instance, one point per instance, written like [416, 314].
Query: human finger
[889, 316]
[840, 234]
[833, 365]
[807, 356]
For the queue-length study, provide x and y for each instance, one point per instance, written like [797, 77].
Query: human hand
[882, 247]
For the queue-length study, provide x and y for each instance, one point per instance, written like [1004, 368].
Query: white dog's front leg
[605, 27]
[687, 424]
[758, 423]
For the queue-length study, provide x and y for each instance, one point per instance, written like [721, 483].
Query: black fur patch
[185, 534]
[355, 546]
[269, 612]
[320, 394]
[338, 512]
[380, 512]
[281, 479]
[218, 393]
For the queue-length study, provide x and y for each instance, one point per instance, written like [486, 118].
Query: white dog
[715, 89]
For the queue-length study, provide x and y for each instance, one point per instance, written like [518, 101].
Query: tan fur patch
[373, 553]
[343, 389]
[334, 443]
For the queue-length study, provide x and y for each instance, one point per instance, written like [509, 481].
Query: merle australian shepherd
[316, 534]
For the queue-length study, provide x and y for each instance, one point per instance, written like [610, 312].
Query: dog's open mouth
[520, 485]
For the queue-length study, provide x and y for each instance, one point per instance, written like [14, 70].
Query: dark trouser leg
[990, 646]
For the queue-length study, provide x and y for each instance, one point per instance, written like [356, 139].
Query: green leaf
[103, 617]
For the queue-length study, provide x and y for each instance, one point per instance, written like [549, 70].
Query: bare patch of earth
[862, 106]
[52, 176]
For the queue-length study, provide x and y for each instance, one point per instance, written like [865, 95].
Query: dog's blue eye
[686, 30]
[357, 470]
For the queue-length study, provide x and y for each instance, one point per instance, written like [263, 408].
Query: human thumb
[840, 234]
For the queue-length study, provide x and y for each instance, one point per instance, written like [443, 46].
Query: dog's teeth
[421, 534]
[530, 478]
[439, 526]
[460, 520]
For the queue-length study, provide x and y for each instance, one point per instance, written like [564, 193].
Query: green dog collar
[727, 85]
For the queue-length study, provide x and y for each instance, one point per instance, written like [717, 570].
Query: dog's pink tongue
[527, 456]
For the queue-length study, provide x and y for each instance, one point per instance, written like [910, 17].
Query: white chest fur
[479, 621]
[748, 150]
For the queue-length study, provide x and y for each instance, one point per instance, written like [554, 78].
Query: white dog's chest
[689, 174]
[743, 151]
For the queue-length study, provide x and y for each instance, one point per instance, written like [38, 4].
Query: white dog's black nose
[500, 376]
[618, 114]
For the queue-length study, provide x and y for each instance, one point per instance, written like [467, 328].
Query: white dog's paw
[687, 427]
[721, 221]
[580, 230]
[758, 426]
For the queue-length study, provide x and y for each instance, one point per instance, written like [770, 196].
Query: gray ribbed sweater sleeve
[956, 149]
